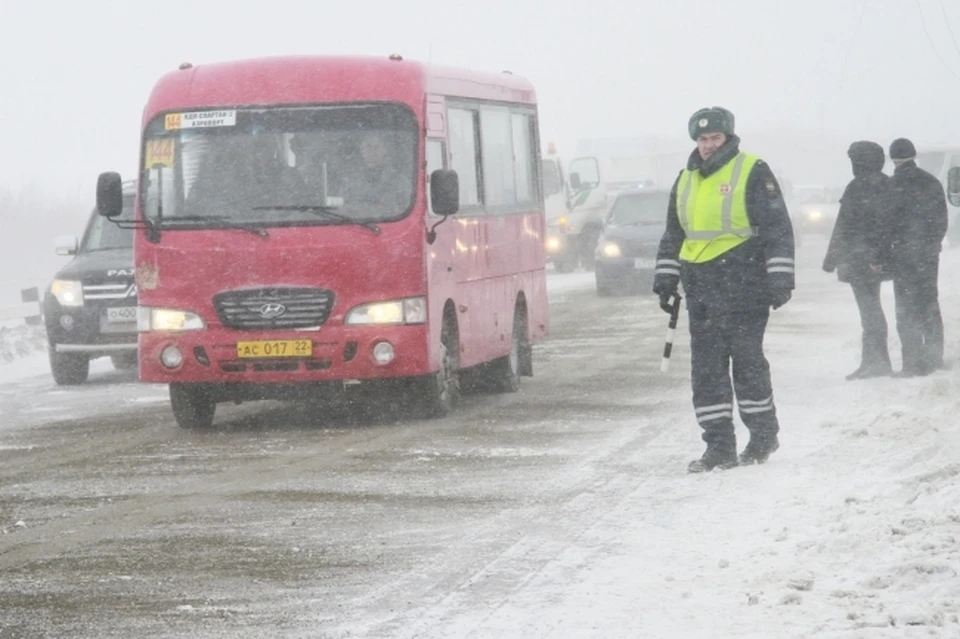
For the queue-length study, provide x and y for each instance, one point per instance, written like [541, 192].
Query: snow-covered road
[561, 511]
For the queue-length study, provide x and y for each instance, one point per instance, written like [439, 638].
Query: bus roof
[326, 79]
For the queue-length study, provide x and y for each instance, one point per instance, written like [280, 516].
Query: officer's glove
[828, 268]
[666, 304]
[665, 291]
[779, 297]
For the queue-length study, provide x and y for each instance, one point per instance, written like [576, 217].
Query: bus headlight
[167, 319]
[67, 292]
[412, 310]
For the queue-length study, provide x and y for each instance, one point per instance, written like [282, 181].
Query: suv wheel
[69, 369]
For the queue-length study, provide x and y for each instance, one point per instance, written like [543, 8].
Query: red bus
[307, 224]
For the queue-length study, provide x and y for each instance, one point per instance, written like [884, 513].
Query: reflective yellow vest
[713, 210]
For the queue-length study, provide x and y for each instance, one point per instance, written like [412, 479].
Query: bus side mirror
[445, 192]
[953, 186]
[109, 194]
[575, 183]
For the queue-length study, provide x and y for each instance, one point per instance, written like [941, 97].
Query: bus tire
[69, 369]
[193, 408]
[505, 372]
[439, 393]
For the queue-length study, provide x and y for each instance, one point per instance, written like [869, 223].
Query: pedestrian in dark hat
[917, 226]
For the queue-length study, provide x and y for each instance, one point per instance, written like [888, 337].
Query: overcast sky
[75, 76]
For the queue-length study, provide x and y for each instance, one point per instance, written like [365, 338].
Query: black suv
[627, 251]
[90, 308]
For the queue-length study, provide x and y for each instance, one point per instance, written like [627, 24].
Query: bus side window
[436, 159]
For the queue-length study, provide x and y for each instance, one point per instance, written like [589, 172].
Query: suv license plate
[124, 315]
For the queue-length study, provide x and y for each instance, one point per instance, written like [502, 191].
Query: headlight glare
[167, 319]
[411, 310]
[67, 292]
[610, 249]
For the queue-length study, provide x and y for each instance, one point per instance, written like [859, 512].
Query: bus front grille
[270, 308]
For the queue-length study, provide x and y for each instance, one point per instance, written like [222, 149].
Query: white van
[944, 163]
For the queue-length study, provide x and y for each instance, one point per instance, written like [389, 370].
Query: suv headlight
[167, 319]
[67, 292]
[610, 249]
[412, 310]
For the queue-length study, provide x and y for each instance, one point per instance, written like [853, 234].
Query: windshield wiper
[328, 211]
[218, 222]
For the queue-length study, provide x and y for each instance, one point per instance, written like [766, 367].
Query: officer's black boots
[716, 456]
[759, 449]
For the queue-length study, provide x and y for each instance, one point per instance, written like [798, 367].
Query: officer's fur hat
[710, 120]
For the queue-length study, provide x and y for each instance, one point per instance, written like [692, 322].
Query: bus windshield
[278, 165]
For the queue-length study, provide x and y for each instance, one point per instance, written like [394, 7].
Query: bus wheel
[441, 390]
[69, 369]
[504, 373]
[192, 406]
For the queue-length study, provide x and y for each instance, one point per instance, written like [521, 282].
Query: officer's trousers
[716, 342]
[919, 322]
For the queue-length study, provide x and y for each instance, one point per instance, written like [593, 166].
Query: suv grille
[266, 308]
[110, 291]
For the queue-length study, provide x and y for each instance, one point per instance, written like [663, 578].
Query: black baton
[671, 328]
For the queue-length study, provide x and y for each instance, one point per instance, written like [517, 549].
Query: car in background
[90, 307]
[626, 252]
[814, 209]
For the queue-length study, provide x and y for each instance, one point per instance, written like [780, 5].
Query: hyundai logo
[272, 309]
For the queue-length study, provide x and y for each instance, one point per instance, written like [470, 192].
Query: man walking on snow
[729, 240]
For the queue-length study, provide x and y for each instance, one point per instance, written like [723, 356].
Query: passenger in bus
[377, 181]
[240, 172]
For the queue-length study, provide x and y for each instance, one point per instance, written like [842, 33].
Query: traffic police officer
[729, 240]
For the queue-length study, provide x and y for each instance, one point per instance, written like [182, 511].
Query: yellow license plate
[275, 348]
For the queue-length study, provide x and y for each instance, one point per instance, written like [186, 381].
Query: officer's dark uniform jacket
[739, 279]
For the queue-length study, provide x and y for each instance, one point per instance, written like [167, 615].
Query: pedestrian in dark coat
[917, 227]
[856, 251]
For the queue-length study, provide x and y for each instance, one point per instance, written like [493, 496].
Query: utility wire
[923, 23]
[846, 54]
[946, 21]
